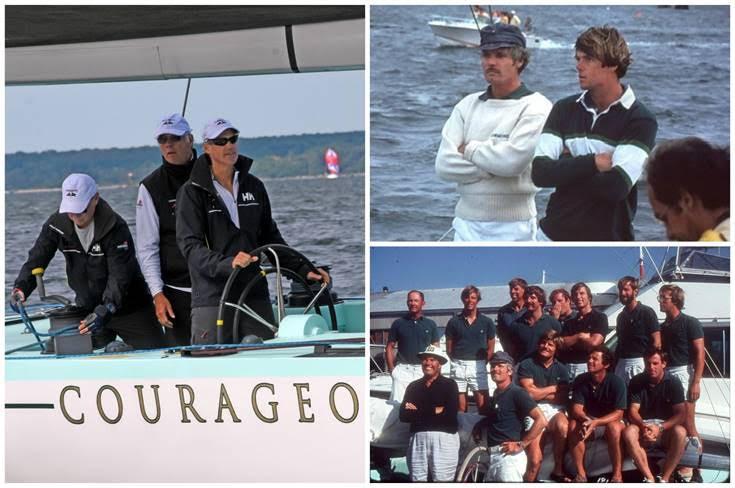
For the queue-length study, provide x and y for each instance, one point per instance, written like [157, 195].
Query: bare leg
[535, 456]
[613, 431]
[559, 427]
[631, 439]
[480, 398]
[462, 402]
[675, 440]
[577, 448]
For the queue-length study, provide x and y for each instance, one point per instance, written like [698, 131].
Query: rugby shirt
[588, 204]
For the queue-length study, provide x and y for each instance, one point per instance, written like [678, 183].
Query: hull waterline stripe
[30, 405]
[291, 50]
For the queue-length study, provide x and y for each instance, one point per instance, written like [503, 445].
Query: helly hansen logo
[248, 197]
[124, 246]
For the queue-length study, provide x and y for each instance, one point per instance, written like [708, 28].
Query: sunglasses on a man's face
[222, 141]
[166, 138]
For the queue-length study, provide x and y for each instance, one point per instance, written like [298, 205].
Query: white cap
[436, 352]
[76, 193]
[214, 128]
[173, 124]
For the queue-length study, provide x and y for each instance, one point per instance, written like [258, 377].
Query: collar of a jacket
[104, 221]
[201, 174]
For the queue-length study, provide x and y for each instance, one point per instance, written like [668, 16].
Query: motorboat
[705, 279]
[463, 32]
[279, 410]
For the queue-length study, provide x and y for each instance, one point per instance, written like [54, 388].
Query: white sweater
[493, 175]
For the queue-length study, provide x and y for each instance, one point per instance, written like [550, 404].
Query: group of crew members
[554, 381]
[197, 218]
[500, 146]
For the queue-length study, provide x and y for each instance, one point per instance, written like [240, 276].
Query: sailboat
[286, 410]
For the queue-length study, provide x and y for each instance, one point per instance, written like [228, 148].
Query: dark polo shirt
[443, 392]
[656, 401]
[524, 338]
[556, 374]
[634, 331]
[594, 323]
[469, 341]
[677, 337]
[505, 411]
[506, 316]
[412, 336]
[599, 400]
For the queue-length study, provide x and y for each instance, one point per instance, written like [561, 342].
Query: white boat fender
[302, 326]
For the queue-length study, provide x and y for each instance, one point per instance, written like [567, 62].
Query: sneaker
[646, 480]
[659, 479]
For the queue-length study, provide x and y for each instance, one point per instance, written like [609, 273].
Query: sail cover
[67, 44]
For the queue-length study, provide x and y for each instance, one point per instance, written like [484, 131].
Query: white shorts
[433, 452]
[629, 367]
[403, 375]
[548, 409]
[478, 231]
[506, 467]
[576, 369]
[683, 373]
[470, 375]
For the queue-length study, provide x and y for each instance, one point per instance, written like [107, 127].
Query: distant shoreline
[125, 185]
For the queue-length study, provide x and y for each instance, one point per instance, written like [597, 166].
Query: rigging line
[719, 423]
[654, 265]
[445, 234]
[724, 394]
[186, 97]
[476, 23]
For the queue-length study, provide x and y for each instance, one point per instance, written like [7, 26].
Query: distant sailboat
[331, 162]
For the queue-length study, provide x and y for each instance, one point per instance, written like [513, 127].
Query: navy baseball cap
[501, 35]
[501, 357]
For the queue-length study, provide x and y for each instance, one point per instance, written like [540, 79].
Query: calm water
[323, 219]
[681, 72]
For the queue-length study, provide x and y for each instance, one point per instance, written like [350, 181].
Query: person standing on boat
[657, 412]
[430, 405]
[598, 403]
[561, 305]
[547, 381]
[100, 267]
[414, 333]
[682, 339]
[488, 143]
[593, 147]
[222, 213]
[637, 329]
[689, 189]
[583, 332]
[505, 413]
[527, 329]
[470, 338]
[163, 266]
[508, 313]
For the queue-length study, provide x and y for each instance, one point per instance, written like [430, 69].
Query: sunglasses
[165, 139]
[222, 141]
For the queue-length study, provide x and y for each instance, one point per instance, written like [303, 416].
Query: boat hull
[226, 419]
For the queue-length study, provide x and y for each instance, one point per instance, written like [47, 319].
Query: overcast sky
[105, 115]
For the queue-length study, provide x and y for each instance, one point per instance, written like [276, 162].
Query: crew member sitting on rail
[656, 413]
[547, 381]
[430, 406]
[470, 339]
[506, 412]
[414, 333]
[100, 267]
[598, 403]
[222, 214]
